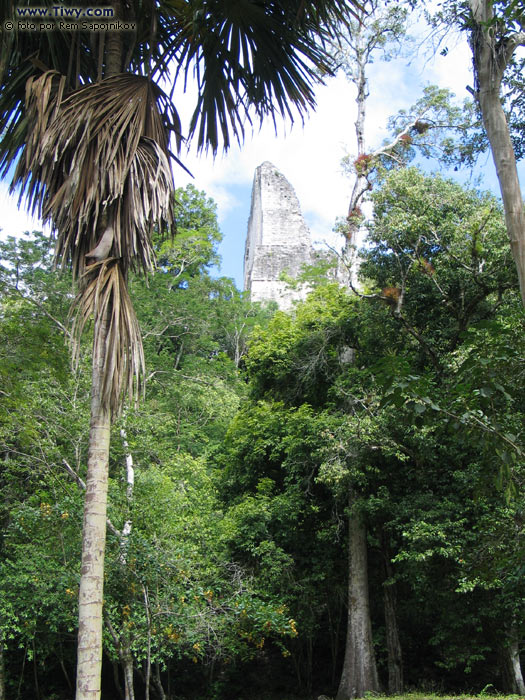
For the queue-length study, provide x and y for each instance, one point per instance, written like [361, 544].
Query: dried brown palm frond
[80, 166]
[97, 166]
[104, 296]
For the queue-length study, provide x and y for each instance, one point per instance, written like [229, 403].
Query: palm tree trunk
[91, 592]
[89, 654]
[359, 674]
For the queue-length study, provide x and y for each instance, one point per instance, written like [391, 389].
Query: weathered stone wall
[278, 239]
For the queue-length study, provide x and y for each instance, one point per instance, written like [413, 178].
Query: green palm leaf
[248, 56]
[93, 155]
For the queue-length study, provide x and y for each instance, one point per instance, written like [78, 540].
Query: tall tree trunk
[35, 673]
[2, 670]
[91, 591]
[130, 483]
[116, 679]
[125, 637]
[148, 653]
[90, 600]
[360, 188]
[334, 629]
[491, 56]
[359, 674]
[123, 645]
[393, 645]
[123, 640]
[127, 665]
[158, 682]
[512, 662]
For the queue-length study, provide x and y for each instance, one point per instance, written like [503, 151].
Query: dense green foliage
[407, 401]
[172, 596]
[260, 435]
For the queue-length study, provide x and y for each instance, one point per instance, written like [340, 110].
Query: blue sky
[309, 156]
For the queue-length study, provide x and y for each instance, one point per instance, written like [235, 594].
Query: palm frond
[25, 55]
[93, 155]
[248, 56]
[104, 296]
[97, 166]
[83, 158]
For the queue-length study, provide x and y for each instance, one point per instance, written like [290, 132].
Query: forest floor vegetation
[494, 695]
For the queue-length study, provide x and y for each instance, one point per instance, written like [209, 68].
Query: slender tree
[378, 30]
[89, 129]
[2, 671]
[496, 30]
[495, 34]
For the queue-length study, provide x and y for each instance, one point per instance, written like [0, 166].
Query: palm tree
[90, 132]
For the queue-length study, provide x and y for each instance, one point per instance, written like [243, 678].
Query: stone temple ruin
[278, 240]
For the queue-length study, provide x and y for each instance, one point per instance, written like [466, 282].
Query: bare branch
[114, 635]
[512, 43]
[80, 483]
[42, 308]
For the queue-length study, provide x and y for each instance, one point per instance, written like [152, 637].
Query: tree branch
[426, 347]
[42, 308]
[512, 43]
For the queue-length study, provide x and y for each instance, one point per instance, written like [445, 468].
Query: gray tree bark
[491, 55]
[123, 640]
[158, 683]
[360, 188]
[512, 652]
[127, 665]
[359, 674]
[393, 645]
[90, 599]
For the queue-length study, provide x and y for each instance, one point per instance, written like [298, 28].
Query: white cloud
[14, 220]
[309, 156]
